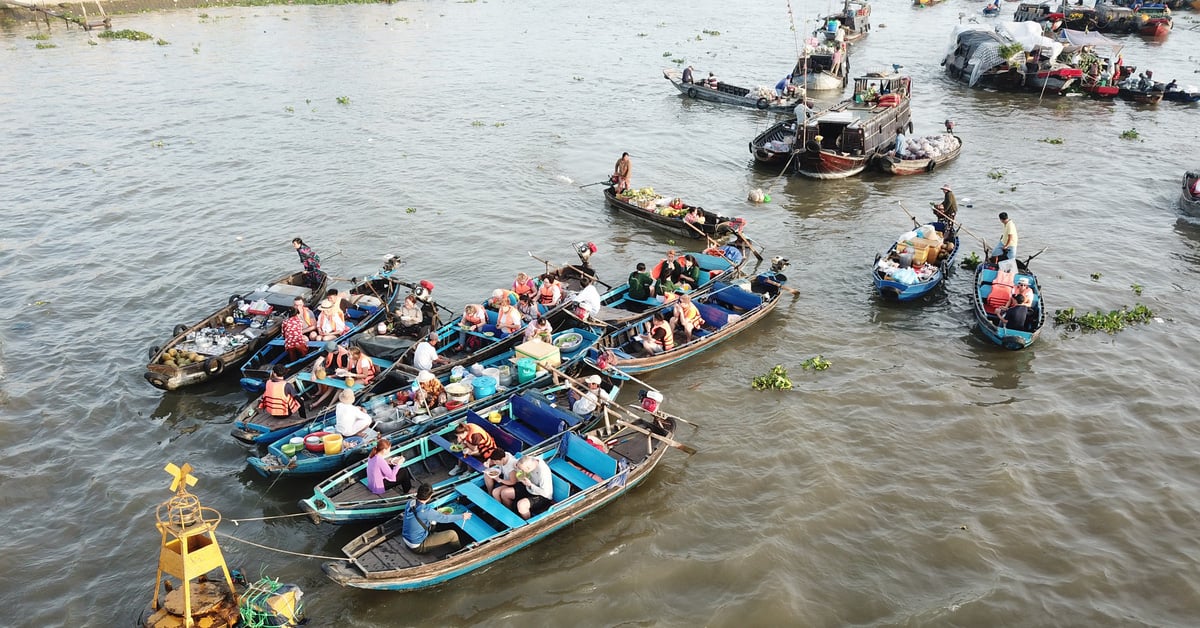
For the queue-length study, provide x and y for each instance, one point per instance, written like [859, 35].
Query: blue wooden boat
[885, 273]
[527, 420]
[306, 463]
[993, 287]
[375, 296]
[617, 308]
[585, 480]
[727, 309]
[253, 426]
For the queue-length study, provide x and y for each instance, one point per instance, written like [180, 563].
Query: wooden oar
[772, 282]
[585, 273]
[749, 244]
[1028, 259]
[957, 225]
[596, 183]
[580, 388]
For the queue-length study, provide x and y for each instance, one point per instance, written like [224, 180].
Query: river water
[927, 478]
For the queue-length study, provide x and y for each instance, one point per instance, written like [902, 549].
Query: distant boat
[842, 140]
[1013, 56]
[905, 164]
[855, 18]
[1189, 199]
[824, 63]
[653, 208]
[732, 94]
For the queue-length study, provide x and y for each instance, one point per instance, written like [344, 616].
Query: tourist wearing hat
[351, 419]
[948, 208]
[1022, 288]
[430, 393]
[1006, 248]
[425, 353]
[587, 403]
[331, 322]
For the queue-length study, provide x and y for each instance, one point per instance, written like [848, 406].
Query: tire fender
[214, 366]
[931, 166]
[762, 103]
[153, 351]
[155, 381]
[234, 299]
[179, 329]
[691, 92]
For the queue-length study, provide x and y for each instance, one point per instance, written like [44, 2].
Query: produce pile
[637, 196]
[176, 357]
[928, 147]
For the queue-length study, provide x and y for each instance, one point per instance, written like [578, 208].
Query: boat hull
[724, 95]
[987, 321]
[828, 164]
[901, 292]
[888, 162]
[773, 148]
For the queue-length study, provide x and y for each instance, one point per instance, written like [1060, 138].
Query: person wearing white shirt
[351, 419]
[425, 354]
[588, 299]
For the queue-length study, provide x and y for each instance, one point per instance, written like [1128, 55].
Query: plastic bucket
[505, 376]
[459, 391]
[526, 370]
[492, 372]
[484, 386]
[333, 444]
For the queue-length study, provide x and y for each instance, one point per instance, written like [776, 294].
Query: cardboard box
[540, 352]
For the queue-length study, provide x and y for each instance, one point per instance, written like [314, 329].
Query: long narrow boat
[524, 421]
[645, 205]
[306, 463]
[855, 18]
[889, 274]
[374, 298]
[1189, 196]
[585, 480]
[727, 309]
[618, 308]
[226, 337]
[905, 165]
[993, 288]
[732, 94]
[773, 148]
[841, 141]
[483, 345]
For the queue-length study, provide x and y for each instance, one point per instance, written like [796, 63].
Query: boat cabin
[859, 126]
[855, 18]
[1036, 12]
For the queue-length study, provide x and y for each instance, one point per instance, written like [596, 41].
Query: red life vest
[276, 401]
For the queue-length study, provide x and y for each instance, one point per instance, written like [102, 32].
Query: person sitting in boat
[524, 285]
[425, 354]
[1013, 317]
[361, 366]
[641, 284]
[280, 398]
[528, 306]
[690, 273]
[473, 319]
[351, 419]
[549, 292]
[419, 529]
[948, 208]
[687, 75]
[409, 317]
[1172, 86]
[429, 393]
[508, 318]
[383, 475]
[498, 298]
[695, 217]
[621, 173]
[306, 316]
[505, 465]
[336, 358]
[295, 342]
[676, 203]
[659, 338]
[539, 329]
[686, 316]
[587, 300]
[712, 81]
[534, 491]
[475, 442]
[670, 268]
[584, 405]
[330, 322]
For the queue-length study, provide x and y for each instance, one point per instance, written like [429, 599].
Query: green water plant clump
[131, 35]
[1109, 322]
[775, 379]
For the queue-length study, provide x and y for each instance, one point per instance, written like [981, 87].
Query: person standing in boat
[784, 87]
[1006, 248]
[420, 519]
[687, 75]
[621, 173]
[948, 208]
[313, 276]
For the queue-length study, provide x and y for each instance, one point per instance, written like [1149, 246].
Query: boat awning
[1088, 38]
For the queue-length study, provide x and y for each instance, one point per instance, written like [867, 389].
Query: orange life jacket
[1002, 289]
[548, 293]
[276, 401]
[692, 314]
[337, 360]
[668, 341]
[478, 438]
[509, 321]
[306, 315]
[365, 369]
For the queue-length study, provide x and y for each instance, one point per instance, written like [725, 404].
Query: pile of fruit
[175, 357]
[639, 196]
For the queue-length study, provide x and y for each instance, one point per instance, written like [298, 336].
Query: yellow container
[920, 255]
[333, 444]
[931, 254]
[495, 416]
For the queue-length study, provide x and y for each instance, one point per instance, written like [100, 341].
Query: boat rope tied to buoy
[281, 551]
[295, 514]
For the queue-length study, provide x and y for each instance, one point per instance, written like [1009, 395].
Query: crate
[541, 352]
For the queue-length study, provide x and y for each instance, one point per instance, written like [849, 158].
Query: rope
[281, 551]
[296, 514]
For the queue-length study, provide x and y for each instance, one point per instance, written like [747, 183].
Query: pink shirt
[378, 469]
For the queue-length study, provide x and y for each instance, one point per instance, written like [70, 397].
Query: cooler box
[543, 353]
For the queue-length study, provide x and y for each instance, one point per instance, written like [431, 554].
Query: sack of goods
[928, 147]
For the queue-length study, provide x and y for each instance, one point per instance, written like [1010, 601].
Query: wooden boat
[1151, 19]
[841, 141]
[1190, 95]
[585, 480]
[405, 426]
[855, 18]
[254, 426]
[889, 163]
[1189, 198]
[727, 310]
[991, 10]
[926, 3]
[527, 421]
[993, 287]
[1131, 90]
[1097, 55]
[824, 63]
[649, 207]
[617, 308]
[930, 276]
[773, 148]
[732, 94]
[373, 298]
[222, 343]
[1012, 56]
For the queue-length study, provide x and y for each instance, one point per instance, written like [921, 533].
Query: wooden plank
[571, 474]
[490, 505]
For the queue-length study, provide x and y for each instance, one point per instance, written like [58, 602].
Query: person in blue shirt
[419, 520]
[784, 86]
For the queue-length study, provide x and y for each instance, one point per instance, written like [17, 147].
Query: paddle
[596, 183]
[581, 388]
[548, 264]
[749, 244]
[957, 225]
[1028, 259]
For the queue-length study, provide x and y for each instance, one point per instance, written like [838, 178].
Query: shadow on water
[999, 368]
